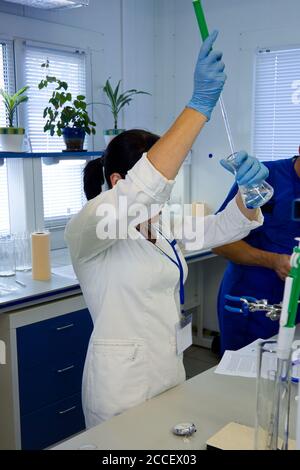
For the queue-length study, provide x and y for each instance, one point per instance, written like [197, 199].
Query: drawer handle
[60, 371]
[65, 327]
[68, 410]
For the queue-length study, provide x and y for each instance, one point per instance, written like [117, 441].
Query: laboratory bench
[59, 286]
[46, 327]
[208, 400]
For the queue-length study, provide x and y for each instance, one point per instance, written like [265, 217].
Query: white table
[40, 301]
[208, 400]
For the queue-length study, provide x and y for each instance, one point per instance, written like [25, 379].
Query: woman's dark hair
[93, 178]
[125, 150]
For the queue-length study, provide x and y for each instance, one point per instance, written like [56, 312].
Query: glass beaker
[253, 196]
[7, 256]
[273, 396]
[23, 251]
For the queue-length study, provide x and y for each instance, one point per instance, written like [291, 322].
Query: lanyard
[177, 263]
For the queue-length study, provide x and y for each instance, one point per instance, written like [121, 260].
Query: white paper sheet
[65, 271]
[243, 363]
[237, 364]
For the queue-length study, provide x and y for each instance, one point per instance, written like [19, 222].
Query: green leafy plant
[62, 110]
[11, 102]
[118, 100]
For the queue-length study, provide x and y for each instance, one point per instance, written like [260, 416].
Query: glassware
[23, 251]
[253, 196]
[273, 399]
[27, 146]
[7, 256]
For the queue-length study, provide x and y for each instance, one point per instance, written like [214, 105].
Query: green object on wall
[201, 19]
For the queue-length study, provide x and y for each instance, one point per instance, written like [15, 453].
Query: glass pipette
[204, 34]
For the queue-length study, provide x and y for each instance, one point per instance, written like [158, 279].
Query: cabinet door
[47, 383]
[51, 357]
[52, 339]
[52, 424]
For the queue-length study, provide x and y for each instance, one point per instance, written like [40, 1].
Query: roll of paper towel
[40, 247]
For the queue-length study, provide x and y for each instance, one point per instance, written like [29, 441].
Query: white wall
[244, 25]
[153, 46]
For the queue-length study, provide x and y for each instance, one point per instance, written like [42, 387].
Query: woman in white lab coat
[132, 279]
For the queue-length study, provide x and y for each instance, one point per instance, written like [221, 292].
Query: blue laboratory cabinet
[40, 384]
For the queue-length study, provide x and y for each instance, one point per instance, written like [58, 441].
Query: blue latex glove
[209, 78]
[250, 171]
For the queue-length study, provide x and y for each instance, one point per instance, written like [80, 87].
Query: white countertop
[59, 286]
[208, 400]
[39, 291]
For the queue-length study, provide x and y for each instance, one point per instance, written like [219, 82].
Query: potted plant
[11, 138]
[117, 101]
[66, 117]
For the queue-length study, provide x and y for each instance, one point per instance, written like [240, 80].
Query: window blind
[277, 104]
[62, 183]
[7, 83]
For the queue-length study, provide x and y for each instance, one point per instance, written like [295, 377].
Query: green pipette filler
[284, 346]
[204, 34]
[290, 306]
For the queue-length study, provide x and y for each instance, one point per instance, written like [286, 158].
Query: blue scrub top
[277, 235]
[278, 232]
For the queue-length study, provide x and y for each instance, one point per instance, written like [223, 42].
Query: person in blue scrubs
[259, 264]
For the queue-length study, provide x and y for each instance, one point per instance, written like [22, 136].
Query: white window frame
[25, 190]
[7, 41]
[269, 50]
[241, 83]
[30, 170]
[16, 214]
[3, 167]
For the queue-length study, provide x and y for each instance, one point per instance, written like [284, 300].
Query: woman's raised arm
[168, 154]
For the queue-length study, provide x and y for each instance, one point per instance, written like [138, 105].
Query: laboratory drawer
[52, 424]
[48, 383]
[52, 339]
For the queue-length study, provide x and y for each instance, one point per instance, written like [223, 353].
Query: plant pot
[74, 139]
[110, 134]
[11, 139]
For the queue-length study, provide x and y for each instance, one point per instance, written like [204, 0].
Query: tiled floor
[197, 360]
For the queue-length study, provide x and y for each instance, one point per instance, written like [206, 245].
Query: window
[6, 83]
[62, 183]
[63, 191]
[4, 208]
[277, 104]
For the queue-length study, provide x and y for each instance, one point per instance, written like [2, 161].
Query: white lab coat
[132, 292]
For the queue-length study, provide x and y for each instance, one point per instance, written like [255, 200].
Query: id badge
[184, 338]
